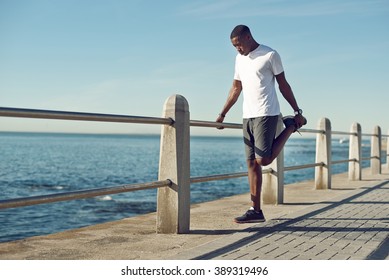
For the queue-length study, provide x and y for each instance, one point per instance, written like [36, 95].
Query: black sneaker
[251, 216]
[290, 121]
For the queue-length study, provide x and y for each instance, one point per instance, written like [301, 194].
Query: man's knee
[264, 161]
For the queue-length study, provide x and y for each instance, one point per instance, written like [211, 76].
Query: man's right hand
[300, 121]
[220, 119]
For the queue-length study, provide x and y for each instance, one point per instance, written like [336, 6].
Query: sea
[48, 163]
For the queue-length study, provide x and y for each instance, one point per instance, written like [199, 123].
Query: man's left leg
[255, 183]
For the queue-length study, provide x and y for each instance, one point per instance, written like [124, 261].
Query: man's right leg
[280, 141]
[279, 144]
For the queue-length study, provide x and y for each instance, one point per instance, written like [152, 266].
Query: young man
[256, 69]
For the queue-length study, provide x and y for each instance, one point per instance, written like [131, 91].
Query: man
[256, 69]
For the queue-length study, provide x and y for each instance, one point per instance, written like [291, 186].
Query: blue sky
[127, 57]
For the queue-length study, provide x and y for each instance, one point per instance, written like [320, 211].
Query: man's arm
[287, 93]
[233, 96]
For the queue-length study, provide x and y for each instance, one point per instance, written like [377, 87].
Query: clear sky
[127, 57]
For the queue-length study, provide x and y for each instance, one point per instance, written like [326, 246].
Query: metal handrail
[215, 124]
[80, 116]
[65, 115]
[307, 130]
[344, 133]
[303, 166]
[202, 179]
[343, 161]
[82, 194]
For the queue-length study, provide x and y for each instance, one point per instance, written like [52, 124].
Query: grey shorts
[258, 135]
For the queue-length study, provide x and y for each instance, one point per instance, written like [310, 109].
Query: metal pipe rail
[343, 161]
[43, 199]
[368, 158]
[202, 179]
[307, 130]
[89, 193]
[77, 116]
[343, 133]
[303, 166]
[215, 124]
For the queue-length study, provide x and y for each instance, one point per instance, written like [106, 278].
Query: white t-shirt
[257, 71]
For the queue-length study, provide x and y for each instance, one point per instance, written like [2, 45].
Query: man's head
[242, 40]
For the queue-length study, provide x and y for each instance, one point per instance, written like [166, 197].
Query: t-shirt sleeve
[276, 63]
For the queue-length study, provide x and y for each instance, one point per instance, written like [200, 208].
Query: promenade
[350, 221]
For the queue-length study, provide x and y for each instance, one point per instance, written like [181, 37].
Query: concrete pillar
[387, 151]
[323, 155]
[273, 183]
[375, 162]
[173, 203]
[355, 152]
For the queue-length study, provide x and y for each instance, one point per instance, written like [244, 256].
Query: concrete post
[273, 183]
[387, 151]
[375, 162]
[173, 203]
[323, 155]
[355, 152]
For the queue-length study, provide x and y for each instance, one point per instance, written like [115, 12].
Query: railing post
[173, 203]
[387, 151]
[375, 161]
[273, 183]
[355, 152]
[323, 155]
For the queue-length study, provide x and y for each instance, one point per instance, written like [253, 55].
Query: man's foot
[291, 121]
[251, 216]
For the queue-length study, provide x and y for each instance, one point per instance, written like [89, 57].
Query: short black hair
[240, 30]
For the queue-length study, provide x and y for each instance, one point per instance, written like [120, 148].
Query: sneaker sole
[250, 221]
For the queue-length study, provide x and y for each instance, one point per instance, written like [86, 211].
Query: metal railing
[82, 194]
[274, 170]
[77, 116]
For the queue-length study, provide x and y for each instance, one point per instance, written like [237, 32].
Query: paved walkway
[355, 226]
[350, 221]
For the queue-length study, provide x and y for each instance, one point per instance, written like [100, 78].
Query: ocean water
[39, 163]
